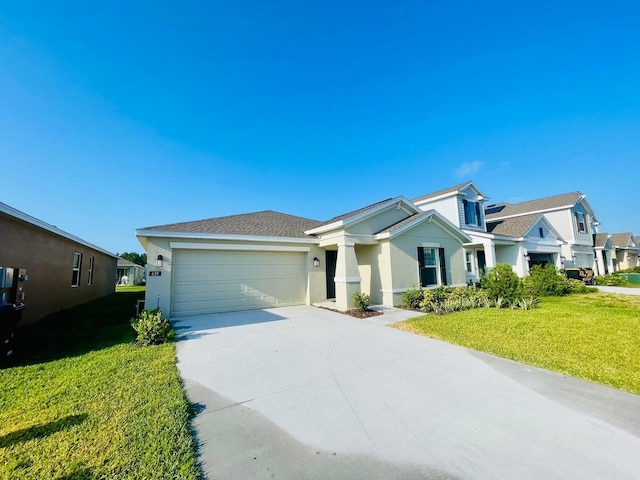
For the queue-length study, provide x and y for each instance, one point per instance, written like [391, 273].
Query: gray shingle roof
[441, 192]
[540, 204]
[621, 240]
[601, 239]
[513, 227]
[267, 223]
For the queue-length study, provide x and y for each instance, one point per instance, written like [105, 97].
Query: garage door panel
[218, 281]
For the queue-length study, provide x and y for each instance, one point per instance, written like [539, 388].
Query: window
[90, 281]
[472, 214]
[75, 271]
[469, 259]
[431, 266]
[541, 230]
[581, 222]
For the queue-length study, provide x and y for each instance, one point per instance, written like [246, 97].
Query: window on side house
[541, 231]
[581, 223]
[431, 266]
[75, 271]
[90, 281]
[469, 261]
[472, 214]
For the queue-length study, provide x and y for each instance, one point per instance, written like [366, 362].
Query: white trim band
[238, 247]
[347, 279]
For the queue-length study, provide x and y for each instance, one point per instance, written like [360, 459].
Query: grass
[595, 337]
[83, 402]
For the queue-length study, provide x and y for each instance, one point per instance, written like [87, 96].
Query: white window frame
[76, 270]
[91, 263]
[581, 222]
[468, 258]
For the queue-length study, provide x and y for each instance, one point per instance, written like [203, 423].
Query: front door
[331, 259]
[482, 262]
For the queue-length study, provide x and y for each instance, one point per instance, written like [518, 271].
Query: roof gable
[450, 191]
[520, 226]
[417, 219]
[603, 240]
[362, 214]
[266, 223]
[623, 240]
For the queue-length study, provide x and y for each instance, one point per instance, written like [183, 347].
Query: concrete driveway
[305, 393]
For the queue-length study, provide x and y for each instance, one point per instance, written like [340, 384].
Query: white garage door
[223, 281]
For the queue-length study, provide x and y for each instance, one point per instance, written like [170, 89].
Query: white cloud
[468, 169]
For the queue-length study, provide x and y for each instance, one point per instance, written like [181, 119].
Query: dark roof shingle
[540, 204]
[513, 227]
[266, 223]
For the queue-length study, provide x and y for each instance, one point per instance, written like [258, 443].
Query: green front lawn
[84, 402]
[595, 336]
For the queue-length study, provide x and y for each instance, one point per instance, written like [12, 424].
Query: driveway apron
[306, 393]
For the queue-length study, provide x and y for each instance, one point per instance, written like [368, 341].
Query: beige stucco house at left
[265, 259]
[63, 270]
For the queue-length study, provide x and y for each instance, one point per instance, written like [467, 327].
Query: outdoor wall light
[159, 261]
[316, 262]
[527, 257]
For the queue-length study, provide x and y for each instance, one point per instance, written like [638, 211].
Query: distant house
[129, 273]
[264, 259]
[571, 217]
[521, 241]
[63, 269]
[627, 250]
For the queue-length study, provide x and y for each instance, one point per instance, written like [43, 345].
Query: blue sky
[120, 115]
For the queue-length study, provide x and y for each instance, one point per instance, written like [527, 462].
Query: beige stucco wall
[371, 282]
[48, 259]
[403, 251]
[158, 292]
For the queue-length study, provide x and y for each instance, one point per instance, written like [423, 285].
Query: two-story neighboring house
[569, 214]
[627, 250]
[520, 242]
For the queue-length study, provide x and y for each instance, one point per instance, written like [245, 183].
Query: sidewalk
[619, 290]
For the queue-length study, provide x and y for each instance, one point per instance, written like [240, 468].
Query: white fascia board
[492, 236]
[455, 193]
[400, 202]
[237, 247]
[17, 214]
[221, 236]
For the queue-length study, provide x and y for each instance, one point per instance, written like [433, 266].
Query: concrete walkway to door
[306, 393]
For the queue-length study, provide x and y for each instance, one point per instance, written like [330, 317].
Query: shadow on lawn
[93, 326]
[41, 431]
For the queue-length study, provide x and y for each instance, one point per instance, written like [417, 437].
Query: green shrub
[361, 301]
[576, 286]
[151, 328]
[413, 297]
[613, 280]
[502, 281]
[546, 281]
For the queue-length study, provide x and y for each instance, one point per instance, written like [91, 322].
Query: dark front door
[331, 258]
[482, 262]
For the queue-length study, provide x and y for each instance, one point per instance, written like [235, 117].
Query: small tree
[502, 282]
[546, 281]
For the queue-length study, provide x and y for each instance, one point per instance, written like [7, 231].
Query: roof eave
[141, 234]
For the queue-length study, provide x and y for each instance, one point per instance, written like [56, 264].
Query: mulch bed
[356, 313]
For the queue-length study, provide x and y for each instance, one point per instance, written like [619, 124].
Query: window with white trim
[581, 222]
[431, 266]
[90, 280]
[472, 213]
[469, 261]
[76, 269]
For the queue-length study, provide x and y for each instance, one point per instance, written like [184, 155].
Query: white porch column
[489, 253]
[347, 275]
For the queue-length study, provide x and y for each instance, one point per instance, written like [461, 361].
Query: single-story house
[63, 270]
[129, 273]
[267, 258]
